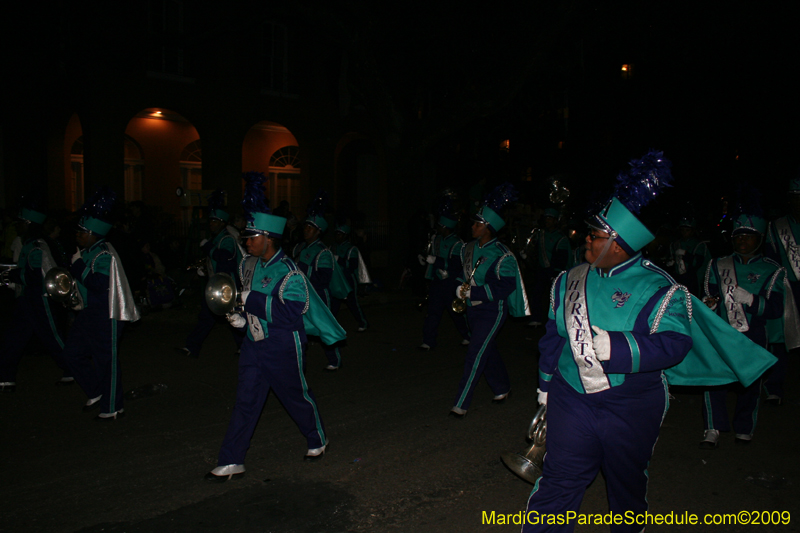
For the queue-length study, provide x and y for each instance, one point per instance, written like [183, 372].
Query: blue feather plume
[317, 206]
[444, 203]
[100, 204]
[254, 200]
[216, 200]
[748, 201]
[646, 178]
[501, 196]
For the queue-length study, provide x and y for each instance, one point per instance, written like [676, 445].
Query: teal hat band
[95, 225]
[632, 234]
[32, 216]
[220, 214]
[749, 224]
[344, 228]
[550, 212]
[447, 222]
[265, 223]
[491, 218]
[318, 221]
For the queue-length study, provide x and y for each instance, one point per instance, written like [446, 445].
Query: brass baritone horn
[221, 294]
[5, 269]
[61, 287]
[528, 464]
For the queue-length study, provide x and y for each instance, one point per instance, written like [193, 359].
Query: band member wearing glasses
[746, 289]
[494, 289]
[600, 368]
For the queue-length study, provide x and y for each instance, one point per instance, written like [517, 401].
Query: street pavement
[396, 461]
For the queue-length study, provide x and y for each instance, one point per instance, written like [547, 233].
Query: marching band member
[782, 246]
[689, 256]
[443, 268]
[620, 329]
[494, 289]
[745, 289]
[551, 249]
[223, 254]
[33, 313]
[92, 348]
[348, 256]
[280, 307]
[316, 261]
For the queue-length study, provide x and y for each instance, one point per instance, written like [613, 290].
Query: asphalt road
[396, 461]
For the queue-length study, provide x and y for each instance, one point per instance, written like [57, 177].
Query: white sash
[727, 278]
[247, 274]
[579, 329]
[787, 240]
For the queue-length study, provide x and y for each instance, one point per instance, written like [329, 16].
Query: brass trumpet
[459, 305]
[528, 464]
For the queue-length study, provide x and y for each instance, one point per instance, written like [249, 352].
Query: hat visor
[251, 232]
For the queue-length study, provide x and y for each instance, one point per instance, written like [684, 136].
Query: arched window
[192, 166]
[284, 176]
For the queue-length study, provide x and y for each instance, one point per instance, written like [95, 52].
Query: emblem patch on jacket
[752, 277]
[620, 298]
[266, 281]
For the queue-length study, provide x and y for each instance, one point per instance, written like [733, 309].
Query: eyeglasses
[593, 237]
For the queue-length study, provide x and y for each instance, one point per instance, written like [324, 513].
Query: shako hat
[30, 211]
[216, 206]
[635, 188]
[748, 216]
[315, 212]
[493, 205]
[95, 214]
[445, 209]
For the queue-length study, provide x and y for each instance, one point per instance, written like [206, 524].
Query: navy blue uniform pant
[483, 358]
[92, 352]
[614, 431]
[745, 414]
[205, 323]
[333, 352]
[276, 363]
[440, 299]
[352, 304]
[539, 294]
[775, 376]
[32, 317]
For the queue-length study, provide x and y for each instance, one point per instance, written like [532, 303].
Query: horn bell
[59, 284]
[528, 464]
[221, 294]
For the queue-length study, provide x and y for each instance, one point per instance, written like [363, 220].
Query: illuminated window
[504, 145]
[627, 71]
